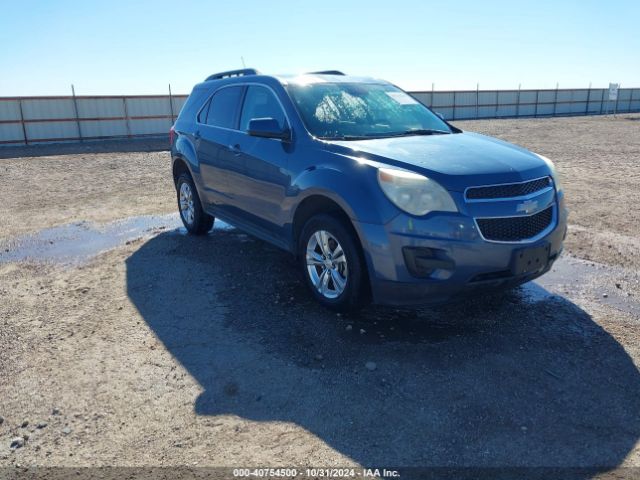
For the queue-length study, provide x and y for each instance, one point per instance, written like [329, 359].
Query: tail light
[172, 134]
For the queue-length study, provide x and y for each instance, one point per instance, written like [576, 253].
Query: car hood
[456, 161]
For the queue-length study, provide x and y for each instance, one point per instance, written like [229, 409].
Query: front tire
[194, 218]
[332, 263]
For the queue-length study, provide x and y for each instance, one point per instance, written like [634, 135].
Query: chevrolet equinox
[378, 197]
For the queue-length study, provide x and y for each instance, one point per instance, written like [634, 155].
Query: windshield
[346, 111]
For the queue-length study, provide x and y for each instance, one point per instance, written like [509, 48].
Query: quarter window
[224, 107]
[260, 102]
[202, 116]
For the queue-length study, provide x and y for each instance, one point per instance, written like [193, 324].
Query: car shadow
[498, 381]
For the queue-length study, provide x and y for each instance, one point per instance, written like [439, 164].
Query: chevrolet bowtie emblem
[528, 206]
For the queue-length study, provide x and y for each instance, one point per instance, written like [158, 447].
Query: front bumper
[467, 263]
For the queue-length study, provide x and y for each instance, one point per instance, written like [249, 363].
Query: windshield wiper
[350, 137]
[424, 131]
[371, 136]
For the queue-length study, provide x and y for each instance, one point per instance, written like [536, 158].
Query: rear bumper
[464, 263]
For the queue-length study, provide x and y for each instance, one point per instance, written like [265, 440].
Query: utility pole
[171, 105]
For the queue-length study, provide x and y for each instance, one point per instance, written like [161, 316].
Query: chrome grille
[507, 190]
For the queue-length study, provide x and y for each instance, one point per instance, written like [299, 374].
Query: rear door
[220, 168]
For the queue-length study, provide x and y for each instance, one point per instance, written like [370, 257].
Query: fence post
[586, 110]
[535, 112]
[171, 105]
[555, 100]
[518, 101]
[477, 97]
[75, 110]
[601, 101]
[432, 88]
[24, 128]
[615, 106]
[454, 106]
[126, 116]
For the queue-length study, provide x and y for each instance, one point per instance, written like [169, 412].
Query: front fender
[354, 189]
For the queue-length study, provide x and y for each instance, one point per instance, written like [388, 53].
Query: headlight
[554, 173]
[414, 193]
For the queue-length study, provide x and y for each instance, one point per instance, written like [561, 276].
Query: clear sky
[138, 47]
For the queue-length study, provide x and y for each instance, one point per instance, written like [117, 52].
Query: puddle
[575, 277]
[77, 242]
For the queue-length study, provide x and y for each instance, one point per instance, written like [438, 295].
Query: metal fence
[29, 120]
[472, 104]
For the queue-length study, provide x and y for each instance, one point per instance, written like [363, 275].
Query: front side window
[224, 107]
[260, 102]
[362, 110]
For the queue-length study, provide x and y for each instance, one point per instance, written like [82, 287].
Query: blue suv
[378, 197]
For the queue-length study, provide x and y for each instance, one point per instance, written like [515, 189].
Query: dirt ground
[125, 342]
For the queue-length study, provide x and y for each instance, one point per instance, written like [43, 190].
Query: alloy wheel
[326, 264]
[187, 209]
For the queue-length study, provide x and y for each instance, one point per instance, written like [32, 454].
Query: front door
[266, 175]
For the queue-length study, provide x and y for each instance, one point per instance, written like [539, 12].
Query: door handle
[196, 135]
[235, 149]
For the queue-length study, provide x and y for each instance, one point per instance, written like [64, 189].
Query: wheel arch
[183, 154]
[315, 204]
[179, 167]
[323, 203]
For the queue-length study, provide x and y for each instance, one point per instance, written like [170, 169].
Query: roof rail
[327, 72]
[232, 73]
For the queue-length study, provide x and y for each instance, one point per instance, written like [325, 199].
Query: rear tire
[332, 263]
[194, 218]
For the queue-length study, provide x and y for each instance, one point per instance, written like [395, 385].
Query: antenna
[242, 59]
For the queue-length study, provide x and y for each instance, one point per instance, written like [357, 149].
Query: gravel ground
[56, 184]
[153, 348]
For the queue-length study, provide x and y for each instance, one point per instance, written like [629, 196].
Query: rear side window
[194, 101]
[223, 107]
[260, 102]
[202, 116]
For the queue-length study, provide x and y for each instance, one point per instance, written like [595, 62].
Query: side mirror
[268, 128]
[439, 115]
